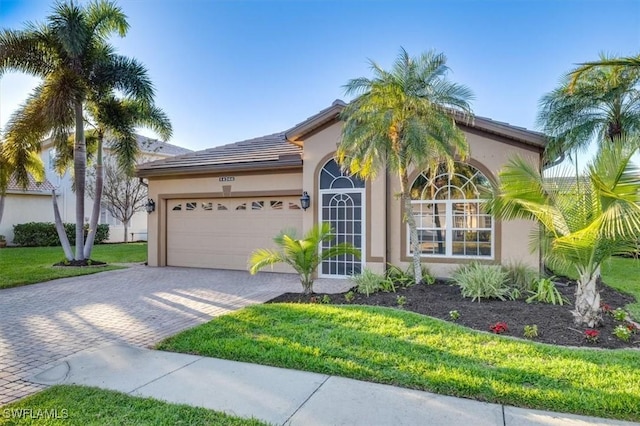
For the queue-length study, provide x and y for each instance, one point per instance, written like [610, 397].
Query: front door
[342, 206]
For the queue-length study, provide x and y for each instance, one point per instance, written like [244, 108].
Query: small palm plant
[302, 255]
[581, 225]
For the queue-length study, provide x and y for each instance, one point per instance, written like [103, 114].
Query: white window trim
[448, 228]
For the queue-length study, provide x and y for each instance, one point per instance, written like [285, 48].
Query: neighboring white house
[34, 205]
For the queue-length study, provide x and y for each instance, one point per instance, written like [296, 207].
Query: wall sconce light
[151, 206]
[305, 200]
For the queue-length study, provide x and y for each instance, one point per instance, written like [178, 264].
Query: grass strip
[79, 405]
[414, 351]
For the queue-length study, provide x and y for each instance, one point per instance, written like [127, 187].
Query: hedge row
[43, 234]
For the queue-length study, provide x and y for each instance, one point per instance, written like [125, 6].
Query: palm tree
[119, 118]
[70, 53]
[402, 118]
[603, 103]
[581, 226]
[302, 255]
[629, 62]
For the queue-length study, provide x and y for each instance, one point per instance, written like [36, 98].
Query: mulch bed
[555, 323]
[81, 263]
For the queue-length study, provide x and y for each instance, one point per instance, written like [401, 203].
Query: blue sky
[231, 70]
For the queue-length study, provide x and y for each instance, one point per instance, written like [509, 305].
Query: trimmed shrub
[43, 234]
[482, 281]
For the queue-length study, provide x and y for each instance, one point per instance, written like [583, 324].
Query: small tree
[122, 194]
[582, 225]
[302, 255]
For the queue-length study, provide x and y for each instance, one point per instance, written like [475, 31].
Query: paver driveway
[43, 323]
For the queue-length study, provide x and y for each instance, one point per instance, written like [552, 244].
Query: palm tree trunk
[97, 200]
[80, 169]
[411, 221]
[307, 284]
[587, 309]
[62, 235]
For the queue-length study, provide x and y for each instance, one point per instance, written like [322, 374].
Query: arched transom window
[450, 216]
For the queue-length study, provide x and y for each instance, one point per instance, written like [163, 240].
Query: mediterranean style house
[212, 208]
[35, 205]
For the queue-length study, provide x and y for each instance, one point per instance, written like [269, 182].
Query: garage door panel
[200, 234]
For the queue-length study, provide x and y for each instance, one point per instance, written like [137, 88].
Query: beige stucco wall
[24, 208]
[243, 185]
[488, 154]
[318, 149]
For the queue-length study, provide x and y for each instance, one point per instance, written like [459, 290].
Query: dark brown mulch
[81, 263]
[555, 323]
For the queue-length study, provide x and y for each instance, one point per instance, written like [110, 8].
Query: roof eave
[220, 168]
[298, 133]
[329, 115]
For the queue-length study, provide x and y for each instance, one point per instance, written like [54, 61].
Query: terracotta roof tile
[33, 186]
[271, 151]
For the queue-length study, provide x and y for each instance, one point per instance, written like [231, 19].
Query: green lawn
[79, 405]
[623, 274]
[414, 351]
[28, 265]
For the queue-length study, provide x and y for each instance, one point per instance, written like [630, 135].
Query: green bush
[368, 282]
[521, 276]
[404, 278]
[545, 291]
[482, 281]
[43, 234]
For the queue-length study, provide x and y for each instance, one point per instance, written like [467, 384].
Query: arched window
[450, 216]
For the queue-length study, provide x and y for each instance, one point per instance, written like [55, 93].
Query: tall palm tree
[71, 54]
[629, 62]
[603, 103]
[404, 118]
[581, 226]
[119, 118]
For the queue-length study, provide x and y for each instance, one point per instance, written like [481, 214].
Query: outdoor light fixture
[151, 206]
[305, 200]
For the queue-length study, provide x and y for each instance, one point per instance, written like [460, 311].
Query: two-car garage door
[222, 232]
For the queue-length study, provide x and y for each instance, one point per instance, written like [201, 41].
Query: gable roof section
[264, 153]
[155, 146]
[284, 150]
[331, 115]
[33, 188]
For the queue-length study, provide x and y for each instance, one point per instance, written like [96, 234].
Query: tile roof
[284, 150]
[266, 152]
[155, 146]
[33, 186]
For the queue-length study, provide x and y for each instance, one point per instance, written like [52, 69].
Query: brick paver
[43, 323]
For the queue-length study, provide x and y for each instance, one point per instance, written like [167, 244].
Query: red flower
[632, 328]
[606, 308]
[591, 335]
[499, 327]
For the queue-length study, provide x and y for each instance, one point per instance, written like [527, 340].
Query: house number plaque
[227, 178]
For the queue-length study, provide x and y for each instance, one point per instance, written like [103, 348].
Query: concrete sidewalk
[280, 396]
